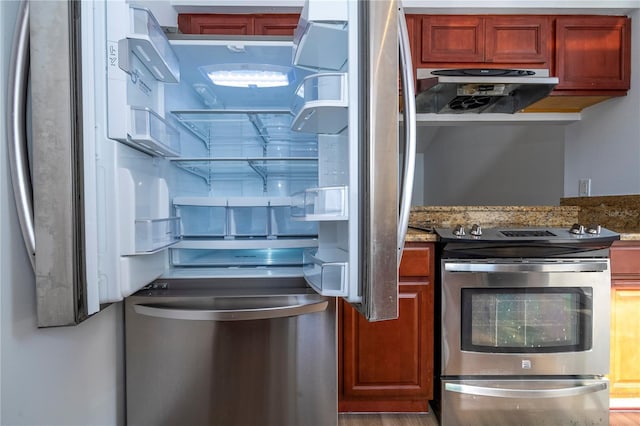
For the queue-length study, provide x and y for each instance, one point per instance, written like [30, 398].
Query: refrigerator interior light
[249, 75]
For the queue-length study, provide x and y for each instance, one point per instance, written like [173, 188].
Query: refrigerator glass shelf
[153, 235]
[149, 44]
[240, 217]
[153, 133]
[321, 204]
[265, 168]
[212, 126]
[325, 269]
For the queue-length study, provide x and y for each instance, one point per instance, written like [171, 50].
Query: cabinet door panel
[225, 24]
[521, 40]
[452, 39]
[384, 359]
[276, 24]
[416, 261]
[593, 52]
[625, 339]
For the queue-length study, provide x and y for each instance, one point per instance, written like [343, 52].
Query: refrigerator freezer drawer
[232, 361]
[525, 402]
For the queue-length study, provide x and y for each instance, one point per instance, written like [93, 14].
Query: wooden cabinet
[238, 24]
[593, 53]
[624, 372]
[478, 41]
[388, 365]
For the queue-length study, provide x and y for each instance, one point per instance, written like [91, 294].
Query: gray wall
[605, 144]
[492, 164]
[65, 376]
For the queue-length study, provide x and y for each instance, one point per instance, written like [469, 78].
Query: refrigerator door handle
[525, 393]
[241, 314]
[409, 115]
[17, 130]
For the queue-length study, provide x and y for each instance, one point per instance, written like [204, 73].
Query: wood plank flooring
[616, 418]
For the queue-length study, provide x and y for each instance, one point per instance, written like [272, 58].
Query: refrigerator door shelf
[321, 204]
[318, 28]
[153, 235]
[325, 269]
[149, 44]
[153, 133]
[321, 104]
[226, 126]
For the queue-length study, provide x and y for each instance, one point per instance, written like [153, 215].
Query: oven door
[525, 317]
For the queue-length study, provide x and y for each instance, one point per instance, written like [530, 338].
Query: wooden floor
[616, 418]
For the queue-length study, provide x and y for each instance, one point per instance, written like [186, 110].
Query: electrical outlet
[584, 189]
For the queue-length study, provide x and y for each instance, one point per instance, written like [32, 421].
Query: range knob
[458, 231]
[476, 230]
[577, 229]
[594, 229]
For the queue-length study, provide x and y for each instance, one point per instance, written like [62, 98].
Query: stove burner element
[527, 233]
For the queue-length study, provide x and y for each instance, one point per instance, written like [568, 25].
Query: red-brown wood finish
[518, 39]
[238, 24]
[593, 53]
[451, 39]
[388, 365]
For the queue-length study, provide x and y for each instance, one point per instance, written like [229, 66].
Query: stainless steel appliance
[525, 325]
[480, 90]
[181, 162]
[234, 354]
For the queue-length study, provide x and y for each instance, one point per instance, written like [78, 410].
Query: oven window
[534, 320]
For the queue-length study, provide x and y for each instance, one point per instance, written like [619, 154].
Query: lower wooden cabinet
[388, 365]
[624, 372]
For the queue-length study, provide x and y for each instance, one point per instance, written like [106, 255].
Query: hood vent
[476, 90]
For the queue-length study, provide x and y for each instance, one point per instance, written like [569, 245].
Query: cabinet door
[593, 52]
[276, 24]
[384, 362]
[388, 365]
[518, 40]
[451, 39]
[225, 24]
[624, 372]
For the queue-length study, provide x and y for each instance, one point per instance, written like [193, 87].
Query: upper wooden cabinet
[238, 24]
[475, 41]
[593, 53]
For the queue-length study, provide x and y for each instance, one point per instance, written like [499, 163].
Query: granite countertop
[618, 213]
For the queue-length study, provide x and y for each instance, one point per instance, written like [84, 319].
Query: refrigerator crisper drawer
[325, 269]
[525, 402]
[259, 217]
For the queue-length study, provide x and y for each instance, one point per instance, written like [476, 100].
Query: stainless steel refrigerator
[227, 189]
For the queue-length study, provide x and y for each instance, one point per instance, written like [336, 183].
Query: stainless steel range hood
[477, 91]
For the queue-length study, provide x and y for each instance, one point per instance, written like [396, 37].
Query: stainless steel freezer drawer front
[239, 360]
[525, 402]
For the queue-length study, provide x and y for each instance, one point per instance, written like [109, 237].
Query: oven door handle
[526, 393]
[575, 266]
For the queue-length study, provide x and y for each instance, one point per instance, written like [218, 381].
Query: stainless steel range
[525, 325]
